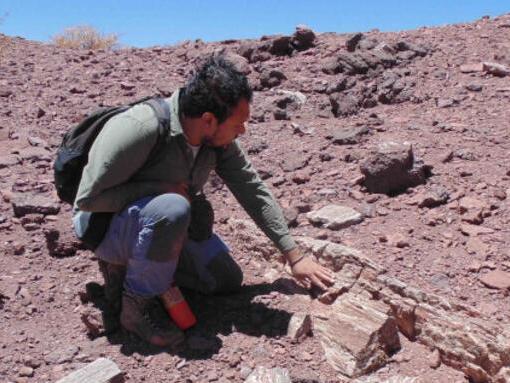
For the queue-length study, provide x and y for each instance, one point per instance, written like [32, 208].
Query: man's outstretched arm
[256, 198]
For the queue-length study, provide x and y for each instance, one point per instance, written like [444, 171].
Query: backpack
[72, 155]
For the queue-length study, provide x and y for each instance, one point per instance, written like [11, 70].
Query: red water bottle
[178, 308]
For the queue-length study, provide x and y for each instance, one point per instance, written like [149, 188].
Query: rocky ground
[388, 153]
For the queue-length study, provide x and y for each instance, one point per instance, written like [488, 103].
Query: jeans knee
[167, 216]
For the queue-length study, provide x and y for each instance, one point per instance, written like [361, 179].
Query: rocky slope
[393, 146]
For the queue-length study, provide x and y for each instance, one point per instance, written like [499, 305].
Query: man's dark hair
[216, 87]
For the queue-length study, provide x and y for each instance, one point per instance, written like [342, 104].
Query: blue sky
[158, 22]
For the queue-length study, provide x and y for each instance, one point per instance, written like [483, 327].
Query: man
[146, 246]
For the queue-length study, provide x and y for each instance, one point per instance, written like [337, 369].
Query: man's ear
[210, 122]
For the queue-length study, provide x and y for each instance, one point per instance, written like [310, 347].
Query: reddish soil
[457, 122]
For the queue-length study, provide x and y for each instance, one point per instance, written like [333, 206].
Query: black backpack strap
[163, 114]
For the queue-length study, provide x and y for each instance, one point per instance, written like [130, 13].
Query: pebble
[26, 371]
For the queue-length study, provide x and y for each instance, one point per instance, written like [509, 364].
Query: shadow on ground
[216, 314]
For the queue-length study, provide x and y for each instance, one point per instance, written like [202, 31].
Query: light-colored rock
[496, 279]
[300, 326]
[397, 240]
[434, 359]
[9, 160]
[496, 69]
[101, 370]
[335, 217]
[266, 375]
[473, 210]
[471, 68]
[344, 280]
[475, 246]
[357, 335]
[503, 376]
[475, 230]
[297, 97]
[465, 340]
[33, 203]
[393, 379]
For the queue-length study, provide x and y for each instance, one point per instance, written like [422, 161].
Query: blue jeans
[150, 237]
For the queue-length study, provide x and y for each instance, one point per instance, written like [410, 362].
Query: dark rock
[280, 46]
[348, 136]
[271, 78]
[77, 90]
[40, 112]
[301, 177]
[280, 114]
[343, 104]
[474, 87]
[337, 86]
[352, 43]
[352, 63]
[291, 101]
[392, 169]
[61, 244]
[27, 204]
[265, 174]
[324, 157]
[303, 38]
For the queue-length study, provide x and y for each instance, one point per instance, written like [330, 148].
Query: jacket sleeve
[118, 152]
[253, 195]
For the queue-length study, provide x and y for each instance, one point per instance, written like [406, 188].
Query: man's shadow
[216, 314]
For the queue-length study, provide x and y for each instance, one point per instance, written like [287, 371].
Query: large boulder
[392, 169]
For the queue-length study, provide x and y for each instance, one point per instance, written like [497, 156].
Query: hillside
[427, 253]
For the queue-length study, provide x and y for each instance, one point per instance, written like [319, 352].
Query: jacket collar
[175, 123]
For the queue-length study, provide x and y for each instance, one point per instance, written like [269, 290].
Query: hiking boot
[135, 317]
[113, 285]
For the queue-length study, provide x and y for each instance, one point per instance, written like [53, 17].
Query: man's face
[226, 132]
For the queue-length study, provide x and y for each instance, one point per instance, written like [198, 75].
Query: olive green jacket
[117, 173]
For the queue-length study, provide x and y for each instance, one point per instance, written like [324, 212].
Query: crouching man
[147, 247]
